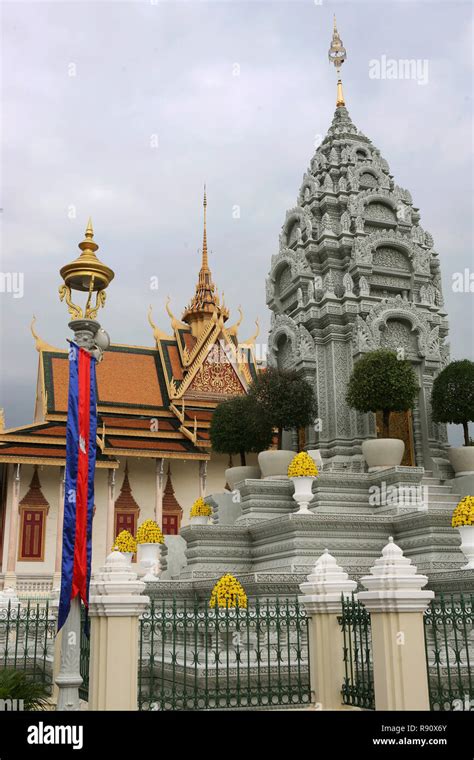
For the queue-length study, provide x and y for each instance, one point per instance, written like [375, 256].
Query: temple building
[154, 459]
[356, 271]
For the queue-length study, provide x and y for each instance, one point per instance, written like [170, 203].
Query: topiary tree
[382, 382]
[239, 427]
[452, 397]
[285, 398]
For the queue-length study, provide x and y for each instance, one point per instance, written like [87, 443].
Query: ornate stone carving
[348, 284]
[364, 287]
[345, 221]
[390, 258]
[380, 212]
[363, 339]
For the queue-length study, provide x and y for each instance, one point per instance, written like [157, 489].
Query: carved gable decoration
[390, 258]
[397, 334]
[380, 212]
[216, 377]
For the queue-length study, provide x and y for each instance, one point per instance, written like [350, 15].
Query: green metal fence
[193, 658]
[449, 642]
[27, 640]
[84, 657]
[358, 686]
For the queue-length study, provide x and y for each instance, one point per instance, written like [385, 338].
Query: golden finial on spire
[205, 300]
[337, 55]
[205, 263]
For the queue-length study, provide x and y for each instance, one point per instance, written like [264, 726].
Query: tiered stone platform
[272, 549]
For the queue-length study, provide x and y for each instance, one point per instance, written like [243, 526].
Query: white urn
[200, 520]
[148, 556]
[303, 493]
[467, 545]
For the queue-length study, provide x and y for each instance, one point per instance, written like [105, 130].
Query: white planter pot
[467, 545]
[234, 475]
[128, 556]
[303, 493]
[148, 556]
[462, 460]
[199, 520]
[381, 453]
[274, 464]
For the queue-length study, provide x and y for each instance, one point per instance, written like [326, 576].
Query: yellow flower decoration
[464, 513]
[200, 509]
[149, 533]
[228, 592]
[125, 542]
[302, 465]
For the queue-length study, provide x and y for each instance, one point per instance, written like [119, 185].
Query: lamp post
[86, 274]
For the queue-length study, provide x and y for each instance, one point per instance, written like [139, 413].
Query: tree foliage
[16, 684]
[285, 398]
[238, 426]
[382, 382]
[452, 398]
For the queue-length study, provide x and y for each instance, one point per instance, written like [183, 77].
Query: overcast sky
[234, 94]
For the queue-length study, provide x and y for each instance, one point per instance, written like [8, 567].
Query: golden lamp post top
[86, 274]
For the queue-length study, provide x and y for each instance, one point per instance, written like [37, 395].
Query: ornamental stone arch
[360, 153]
[282, 340]
[382, 244]
[395, 311]
[298, 223]
[308, 189]
[290, 343]
[380, 180]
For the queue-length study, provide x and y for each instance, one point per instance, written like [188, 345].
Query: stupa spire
[337, 55]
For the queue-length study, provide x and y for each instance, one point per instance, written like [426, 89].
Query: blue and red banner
[79, 486]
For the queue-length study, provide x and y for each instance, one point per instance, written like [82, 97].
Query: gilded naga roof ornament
[337, 55]
[86, 274]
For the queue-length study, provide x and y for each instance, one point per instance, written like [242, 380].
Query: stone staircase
[440, 493]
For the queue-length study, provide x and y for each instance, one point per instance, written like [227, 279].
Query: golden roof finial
[205, 300]
[337, 55]
[205, 263]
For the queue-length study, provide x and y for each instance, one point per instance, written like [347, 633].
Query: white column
[396, 603]
[110, 529]
[69, 677]
[159, 480]
[59, 530]
[116, 602]
[322, 601]
[10, 575]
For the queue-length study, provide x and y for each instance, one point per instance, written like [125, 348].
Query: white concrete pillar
[110, 527]
[59, 530]
[396, 603]
[116, 602]
[10, 575]
[159, 480]
[322, 601]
